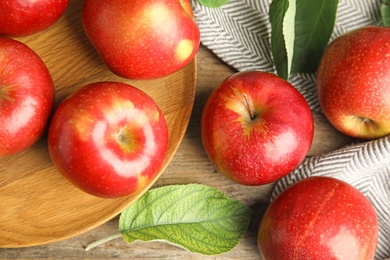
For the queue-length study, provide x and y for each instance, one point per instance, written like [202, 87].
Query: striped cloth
[239, 33]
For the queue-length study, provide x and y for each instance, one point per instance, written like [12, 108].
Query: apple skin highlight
[353, 82]
[26, 97]
[319, 218]
[142, 39]
[256, 128]
[109, 139]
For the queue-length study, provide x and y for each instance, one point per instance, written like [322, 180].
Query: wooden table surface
[189, 165]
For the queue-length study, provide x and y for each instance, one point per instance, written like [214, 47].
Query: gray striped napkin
[239, 33]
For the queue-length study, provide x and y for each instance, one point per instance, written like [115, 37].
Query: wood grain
[38, 205]
[189, 165]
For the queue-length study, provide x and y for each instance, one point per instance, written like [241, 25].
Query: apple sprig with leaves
[300, 32]
[197, 217]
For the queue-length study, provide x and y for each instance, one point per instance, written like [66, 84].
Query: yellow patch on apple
[142, 181]
[364, 126]
[125, 140]
[4, 93]
[83, 123]
[241, 109]
[184, 49]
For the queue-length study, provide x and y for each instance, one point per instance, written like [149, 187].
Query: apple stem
[101, 241]
[249, 106]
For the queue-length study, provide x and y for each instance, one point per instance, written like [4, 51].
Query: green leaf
[213, 3]
[300, 32]
[314, 23]
[385, 12]
[277, 13]
[196, 217]
[288, 32]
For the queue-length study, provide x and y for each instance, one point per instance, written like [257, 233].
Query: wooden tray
[38, 206]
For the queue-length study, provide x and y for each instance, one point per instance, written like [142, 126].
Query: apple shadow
[193, 136]
[73, 17]
[202, 94]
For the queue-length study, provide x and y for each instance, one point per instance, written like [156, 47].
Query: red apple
[353, 82]
[256, 127]
[141, 39]
[319, 218]
[25, 17]
[109, 139]
[26, 96]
